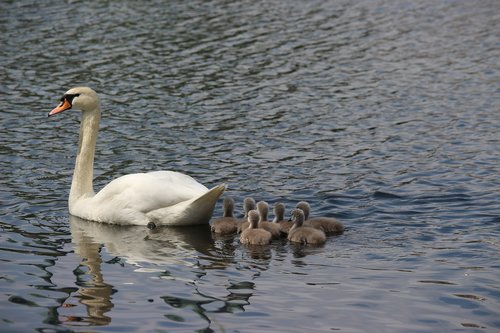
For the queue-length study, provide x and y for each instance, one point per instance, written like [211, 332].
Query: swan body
[304, 234]
[159, 197]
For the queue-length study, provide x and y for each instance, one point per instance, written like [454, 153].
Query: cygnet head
[279, 211]
[297, 217]
[253, 219]
[248, 205]
[79, 98]
[263, 209]
[305, 208]
[228, 205]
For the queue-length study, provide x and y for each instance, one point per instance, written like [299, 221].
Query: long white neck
[81, 185]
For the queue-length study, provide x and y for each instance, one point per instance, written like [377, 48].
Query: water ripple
[383, 115]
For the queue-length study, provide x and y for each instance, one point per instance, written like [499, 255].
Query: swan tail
[190, 212]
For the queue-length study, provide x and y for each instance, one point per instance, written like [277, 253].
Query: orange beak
[65, 105]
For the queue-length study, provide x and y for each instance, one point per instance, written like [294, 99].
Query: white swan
[153, 198]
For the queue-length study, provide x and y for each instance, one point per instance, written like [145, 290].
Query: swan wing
[190, 212]
[145, 192]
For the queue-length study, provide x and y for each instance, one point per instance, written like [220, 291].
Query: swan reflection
[93, 292]
[136, 245]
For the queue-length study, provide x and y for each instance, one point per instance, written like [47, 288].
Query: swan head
[80, 98]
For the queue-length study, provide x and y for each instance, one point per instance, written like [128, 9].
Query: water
[382, 114]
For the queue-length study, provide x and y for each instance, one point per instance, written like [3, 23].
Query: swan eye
[69, 97]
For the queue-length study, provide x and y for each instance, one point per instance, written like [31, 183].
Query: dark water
[383, 114]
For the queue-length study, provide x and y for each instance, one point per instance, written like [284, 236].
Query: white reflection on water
[160, 247]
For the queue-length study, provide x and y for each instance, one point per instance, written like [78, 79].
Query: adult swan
[153, 198]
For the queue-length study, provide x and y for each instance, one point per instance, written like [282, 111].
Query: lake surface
[383, 114]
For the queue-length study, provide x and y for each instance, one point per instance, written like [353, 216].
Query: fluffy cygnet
[273, 228]
[304, 235]
[227, 224]
[328, 225]
[253, 235]
[248, 205]
[279, 218]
